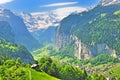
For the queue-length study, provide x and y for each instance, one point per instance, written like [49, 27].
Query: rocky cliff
[80, 50]
[91, 32]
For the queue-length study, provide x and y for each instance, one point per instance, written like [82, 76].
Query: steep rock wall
[81, 50]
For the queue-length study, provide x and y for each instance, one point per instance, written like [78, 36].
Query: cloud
[62, 12]
[5, 1]
[53, 17]
[59, 4]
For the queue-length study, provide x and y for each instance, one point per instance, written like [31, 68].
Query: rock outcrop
[81, 50]
[92, 32]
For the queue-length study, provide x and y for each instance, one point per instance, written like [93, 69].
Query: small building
[35, 66]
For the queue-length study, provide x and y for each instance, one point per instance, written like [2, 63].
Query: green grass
[103, 15]
[117, 12]
[45, 51]
[40, 75]
[114, 71]
[35, 75]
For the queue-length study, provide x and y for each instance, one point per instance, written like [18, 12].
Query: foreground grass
[40, 75]
[35, 75]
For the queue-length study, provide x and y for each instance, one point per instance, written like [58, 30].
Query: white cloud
[63, 12]
[5, 1]
[59, 4]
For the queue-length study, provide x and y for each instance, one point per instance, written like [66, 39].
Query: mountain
[9, 50]
[42, 25]
[92, 32]
[6, 32]
[42, 20]
[109, 2]
[22, 36]
[45, 36]
[39, 21]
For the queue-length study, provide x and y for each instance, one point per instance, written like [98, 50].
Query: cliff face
[62, 40]
[81, 50]
[101, 49]
[91, 39]
[92, 32]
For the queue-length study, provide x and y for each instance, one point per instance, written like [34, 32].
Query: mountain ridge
[43, 20]
[6, 32]
[91, 28]
[22, 36]
[109, 2]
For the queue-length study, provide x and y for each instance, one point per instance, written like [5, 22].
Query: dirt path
[30, 77]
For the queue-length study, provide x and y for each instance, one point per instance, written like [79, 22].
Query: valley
[83, 44]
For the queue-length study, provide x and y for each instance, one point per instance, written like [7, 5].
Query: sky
[32, 6]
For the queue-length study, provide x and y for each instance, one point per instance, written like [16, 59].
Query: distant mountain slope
[45, 36]
[42, 25]
[109, 2]
[91, 31]
[40, 21]
[6, 32]
[9, 50]
[22, 36]
[104, 28]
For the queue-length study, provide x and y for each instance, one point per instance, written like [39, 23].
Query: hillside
[6, 32]
[113, 71]
[38, 75]
[102, 29]
[9, 50]
[45, 36]
[63, 56]
[21, 34]
[41, 76]
[84, 46]
[15, 69]
[92, 32]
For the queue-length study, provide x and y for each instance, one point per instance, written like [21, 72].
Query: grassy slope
[43, 52]
[111, 70]
[34, 75]
[114, 71]
[41, 76]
